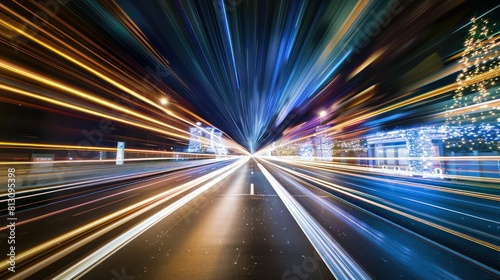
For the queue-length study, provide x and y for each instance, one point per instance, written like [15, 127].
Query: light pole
[319, 134]
[164, 101]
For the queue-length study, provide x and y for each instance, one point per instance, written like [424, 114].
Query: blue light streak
[228, 33]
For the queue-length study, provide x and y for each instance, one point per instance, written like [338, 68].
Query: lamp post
[321, 115]
[164, 101]
[319, 134]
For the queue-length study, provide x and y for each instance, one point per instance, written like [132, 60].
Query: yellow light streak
[85, 62]
[353, 15]
[90, 112]
[90, 69]
[349, 121]
[118, 218]
[374, 57]
[49, 82]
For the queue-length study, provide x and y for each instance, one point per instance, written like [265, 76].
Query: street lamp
[321, 114]
[163, 101]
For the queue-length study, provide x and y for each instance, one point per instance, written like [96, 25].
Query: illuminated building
[409, 150]
[206, 140]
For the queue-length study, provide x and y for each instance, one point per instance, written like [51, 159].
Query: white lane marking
[83, 266]
[251, 189]
[336, 259]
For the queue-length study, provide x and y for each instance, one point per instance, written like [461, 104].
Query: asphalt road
[401, 227]
[255, 220]
[56, 227]
[228, 233]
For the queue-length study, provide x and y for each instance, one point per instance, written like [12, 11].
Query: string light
[472, 122]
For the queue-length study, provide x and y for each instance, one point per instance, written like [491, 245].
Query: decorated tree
[473, 121]
[306, 149]
[420, 152]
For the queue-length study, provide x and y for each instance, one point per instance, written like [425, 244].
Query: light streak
[228, 34]
[101, 71]
[338, 261]
[92, 148]
[374, 57]
[91, 112]
[386, 241]
[416, 99]
[388, 206]
[335, 167]
[110, 179]
[120, 217]
[86, 67]
[346, 122]
[84, 95]
[105, 251]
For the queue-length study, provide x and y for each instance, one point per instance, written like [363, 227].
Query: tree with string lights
[473, 121]
[306, 149]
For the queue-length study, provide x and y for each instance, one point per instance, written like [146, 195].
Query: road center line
[336, 259]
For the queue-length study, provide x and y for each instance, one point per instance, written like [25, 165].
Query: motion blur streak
[420, 98]
[337, 260]
[91, 112]
[105, 251]
[71, 147]
[84, 95]
[83, 65]
[390, 242]
[360, 117]
[139, 35]
[372, 124]
[102, 69]
[395, 208]
[120, 217]
[53, 213]
[334, 168]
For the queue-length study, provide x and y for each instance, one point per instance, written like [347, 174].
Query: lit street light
[164, 101]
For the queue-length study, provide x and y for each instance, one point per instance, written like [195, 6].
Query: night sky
[251, 68]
